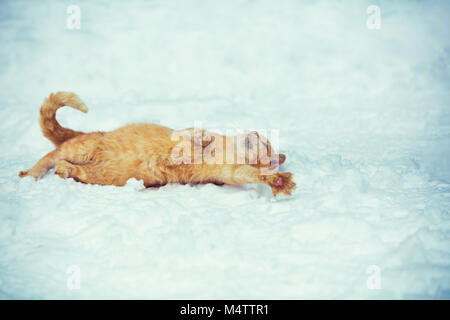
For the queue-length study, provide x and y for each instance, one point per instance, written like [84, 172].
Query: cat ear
[207, 138]
[252, 140]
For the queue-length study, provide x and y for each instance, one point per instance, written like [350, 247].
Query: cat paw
[281, 183]
[23, 174]
[62, 169]
[30, 172]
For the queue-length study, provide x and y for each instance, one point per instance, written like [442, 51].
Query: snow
[364, 120]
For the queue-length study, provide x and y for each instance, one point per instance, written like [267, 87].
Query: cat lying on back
[146, 152]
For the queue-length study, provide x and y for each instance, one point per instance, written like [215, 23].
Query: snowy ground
[364, 120]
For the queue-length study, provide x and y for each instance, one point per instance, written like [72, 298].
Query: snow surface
[364, 120]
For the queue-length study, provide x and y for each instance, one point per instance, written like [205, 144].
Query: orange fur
[141, 151]
[50, 127]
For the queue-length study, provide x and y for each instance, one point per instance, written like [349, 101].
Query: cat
[145, 151]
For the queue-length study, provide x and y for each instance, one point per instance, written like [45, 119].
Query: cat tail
[51, 129]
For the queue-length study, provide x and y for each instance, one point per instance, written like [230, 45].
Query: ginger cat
[146, 152]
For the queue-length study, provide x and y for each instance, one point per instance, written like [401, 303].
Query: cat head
[258, 151]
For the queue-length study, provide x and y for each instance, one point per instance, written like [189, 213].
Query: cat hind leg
[42, 166]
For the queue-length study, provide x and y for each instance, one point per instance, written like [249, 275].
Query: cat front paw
[281, 183]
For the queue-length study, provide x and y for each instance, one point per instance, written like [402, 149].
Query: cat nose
[282, 158]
